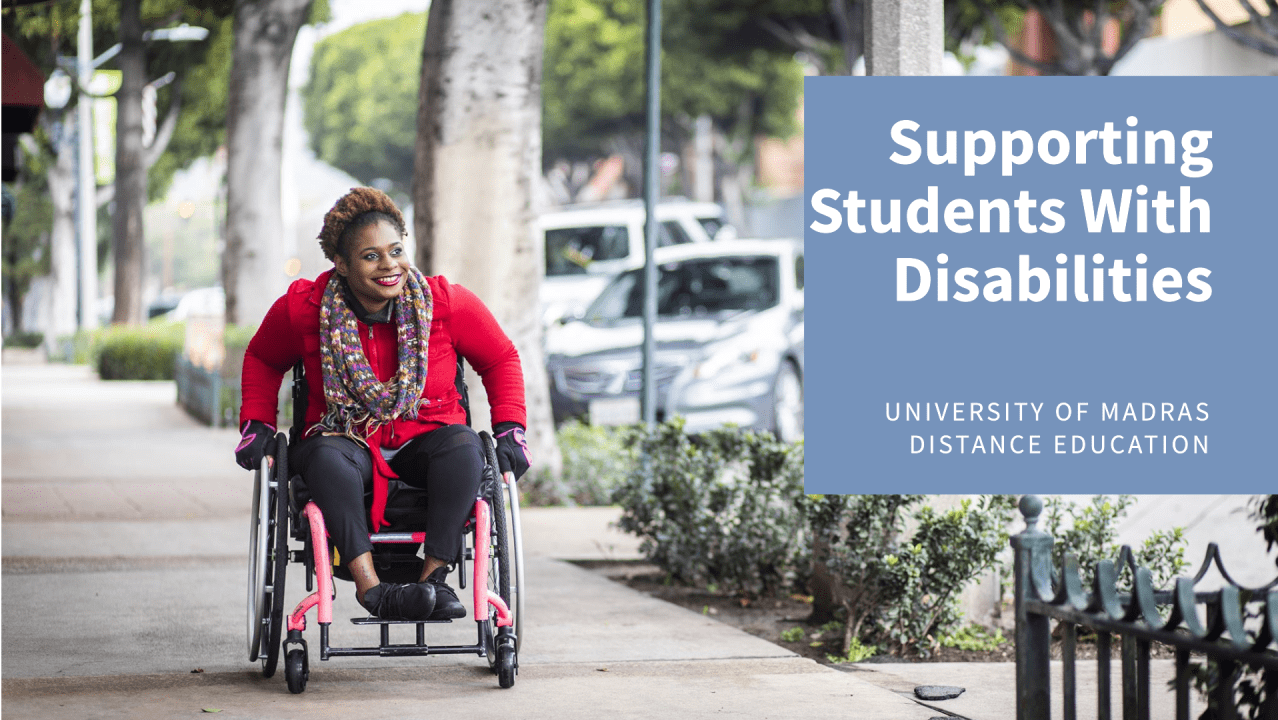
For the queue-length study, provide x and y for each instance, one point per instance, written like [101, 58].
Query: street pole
[652, 187]
[904, 37]
[86, 187]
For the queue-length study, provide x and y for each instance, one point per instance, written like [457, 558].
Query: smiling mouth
[388, 281]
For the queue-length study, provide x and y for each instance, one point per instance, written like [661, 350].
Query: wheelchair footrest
[379, 621]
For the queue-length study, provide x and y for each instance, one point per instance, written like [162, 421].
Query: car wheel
[787, 404]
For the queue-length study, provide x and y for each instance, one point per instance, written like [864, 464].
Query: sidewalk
[125, 527]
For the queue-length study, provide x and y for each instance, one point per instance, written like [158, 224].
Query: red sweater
[460, 324]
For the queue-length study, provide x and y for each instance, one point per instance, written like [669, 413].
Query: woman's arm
[478, 338]
[274, 349]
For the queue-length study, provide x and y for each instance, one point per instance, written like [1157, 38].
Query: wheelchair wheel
[296, 671]
[506, 666]
[278, 565]
[516, 553]
[268, 556]
[499, 558]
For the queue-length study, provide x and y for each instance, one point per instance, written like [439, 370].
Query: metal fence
[1239, 633]
[205, 394]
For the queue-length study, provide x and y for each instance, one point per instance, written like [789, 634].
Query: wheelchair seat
[405, 513]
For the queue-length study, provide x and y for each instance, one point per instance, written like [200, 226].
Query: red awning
[23, 81]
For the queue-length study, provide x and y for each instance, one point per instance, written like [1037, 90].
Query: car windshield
[570, 250]
[693, 288]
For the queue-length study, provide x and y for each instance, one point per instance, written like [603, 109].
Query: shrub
[145, 352]
[24, 340]
[856, 653]
[973, 637]
[1091, 536]
[79, 349]
[724, 507]
[596, 460]
[1265, 510]
[896, 591]
[1251, 693]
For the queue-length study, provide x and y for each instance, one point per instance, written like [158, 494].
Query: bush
[145, 352]
[973, 637]
[596, 460]
[1091, 536]
[724, 507]
[79, 349]
[856, 653]
[898, 592]
[24, 340]
[1265, 510]
[1251, 693]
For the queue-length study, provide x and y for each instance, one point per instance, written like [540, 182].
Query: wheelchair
[491, 549]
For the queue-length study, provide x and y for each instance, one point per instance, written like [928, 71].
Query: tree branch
[1269, 23]
[795, 37]
[1101, 14]
[1069, 44]
[1237, 35]
[1000, 33]
[1256, 17]
[1134, 31]
[164, 133]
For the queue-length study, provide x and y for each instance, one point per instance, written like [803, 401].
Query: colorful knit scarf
[359, 406]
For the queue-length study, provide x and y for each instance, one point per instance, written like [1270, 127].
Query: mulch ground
[769, 618]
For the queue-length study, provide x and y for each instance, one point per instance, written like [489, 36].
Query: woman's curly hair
[359, 208]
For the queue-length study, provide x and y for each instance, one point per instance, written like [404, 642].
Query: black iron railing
[1237, 632]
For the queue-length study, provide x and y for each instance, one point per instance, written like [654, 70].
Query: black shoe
[447, 606]
[400, 601]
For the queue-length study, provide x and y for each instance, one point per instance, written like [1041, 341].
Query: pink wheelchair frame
[323, 595]
[496, 631]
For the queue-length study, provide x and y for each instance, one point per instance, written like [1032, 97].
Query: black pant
[338, 472]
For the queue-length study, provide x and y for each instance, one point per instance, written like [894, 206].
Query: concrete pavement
[124, 535]
[125, 526]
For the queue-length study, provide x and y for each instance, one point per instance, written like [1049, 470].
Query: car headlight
[722, 357]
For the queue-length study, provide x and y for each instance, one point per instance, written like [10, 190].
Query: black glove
[256, 439]
[512, 449]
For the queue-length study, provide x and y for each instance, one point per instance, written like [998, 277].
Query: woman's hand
[255, 439]
[512, 449]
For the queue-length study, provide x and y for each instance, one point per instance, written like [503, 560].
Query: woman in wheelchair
[384, 339]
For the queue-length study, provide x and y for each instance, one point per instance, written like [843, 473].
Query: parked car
[201, 302]
[586, 245]
[729, 341]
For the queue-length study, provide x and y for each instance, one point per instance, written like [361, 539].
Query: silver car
[587, 245]
[729, 341]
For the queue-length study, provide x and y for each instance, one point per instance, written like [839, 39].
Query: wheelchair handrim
[517, 589]
[258, 538]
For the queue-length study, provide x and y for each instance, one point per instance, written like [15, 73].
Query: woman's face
[375, 266]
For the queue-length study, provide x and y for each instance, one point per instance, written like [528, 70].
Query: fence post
[1033, 550]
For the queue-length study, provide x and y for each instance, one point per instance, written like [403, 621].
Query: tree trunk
[848, 18]
[477, 161]
[127, 241]
[64, 276]
[15, 294]
[253, 263]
